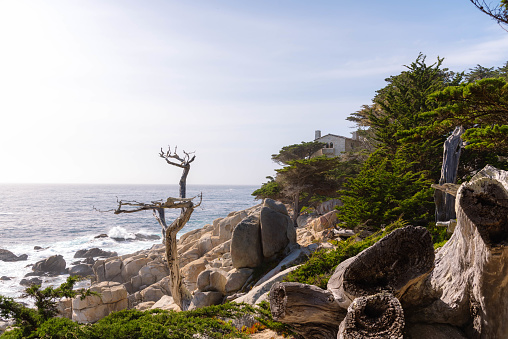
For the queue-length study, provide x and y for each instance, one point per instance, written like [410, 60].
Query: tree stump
[377, 316]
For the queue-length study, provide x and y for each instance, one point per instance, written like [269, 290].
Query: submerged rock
[6, 255]
[29, 282]
[94, 252]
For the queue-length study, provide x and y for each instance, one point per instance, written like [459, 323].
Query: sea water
[62, 219]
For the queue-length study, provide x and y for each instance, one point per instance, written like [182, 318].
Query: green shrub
[320, 266]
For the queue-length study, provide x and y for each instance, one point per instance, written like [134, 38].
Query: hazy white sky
[90, 90]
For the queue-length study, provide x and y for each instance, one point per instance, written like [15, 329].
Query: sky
[91, 90]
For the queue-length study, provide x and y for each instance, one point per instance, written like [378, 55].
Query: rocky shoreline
[228, 260]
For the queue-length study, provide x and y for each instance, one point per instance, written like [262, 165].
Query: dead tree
[445, 203]
[460, 292]
[181, 295]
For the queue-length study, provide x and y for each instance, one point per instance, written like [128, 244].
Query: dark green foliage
[129, 324]
[320, 266]
[265, 318]
[297, 152]
[28, 319]
[384, 190]
[439, 235]
[270, 189]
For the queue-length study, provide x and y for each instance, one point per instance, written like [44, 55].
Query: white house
[336, 144]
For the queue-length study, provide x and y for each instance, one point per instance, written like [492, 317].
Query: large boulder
[6, 255]
[246, 248]
[213, 279]
[53, 265]
[274, 226]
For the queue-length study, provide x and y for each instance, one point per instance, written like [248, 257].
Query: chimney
[317, 134]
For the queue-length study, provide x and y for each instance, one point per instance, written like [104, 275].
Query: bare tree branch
[497, 12]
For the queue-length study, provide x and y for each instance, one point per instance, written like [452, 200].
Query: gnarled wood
[375, 316]
[311, 311]
[181, 295]
[445, 203]
[394, 263]
[468, 287]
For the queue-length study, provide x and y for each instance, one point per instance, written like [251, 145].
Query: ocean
[62, 219]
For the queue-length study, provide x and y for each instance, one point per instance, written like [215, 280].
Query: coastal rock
[192, 270]
[94, 252]
[328, 206]
[112, 298]
[246, 248]
[131, 266]
[30, 282]
[82, 270]
[228, 224]
[145, 305]
[53, 265]
[166, 303]
[213, 279]
[236, 278]
[4, 278]
[258, 293]
[276, 206]
[274, 227]
[6, 255]
[324, 222]
[64, 307]
[203, 299]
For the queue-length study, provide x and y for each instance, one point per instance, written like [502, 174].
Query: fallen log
[311, 311]
[375, 316]
[394, 263]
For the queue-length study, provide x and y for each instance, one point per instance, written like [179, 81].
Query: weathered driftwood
[464, 296]
[468, 286]
[311, 311]
[394, 263]
[375, 316]
[445, 203]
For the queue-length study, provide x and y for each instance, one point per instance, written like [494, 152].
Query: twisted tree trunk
[445, 203]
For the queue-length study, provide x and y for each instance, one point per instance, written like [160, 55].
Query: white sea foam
[118, 232]
[64, 231]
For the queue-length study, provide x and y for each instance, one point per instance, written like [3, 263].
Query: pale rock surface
[236, 278]
[113, 297]
[255, 296]
[202, 299]
[295, 257]
[192, 270]
[166, 303]
[145, 305]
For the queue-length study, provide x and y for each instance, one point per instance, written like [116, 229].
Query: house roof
[334, 135]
